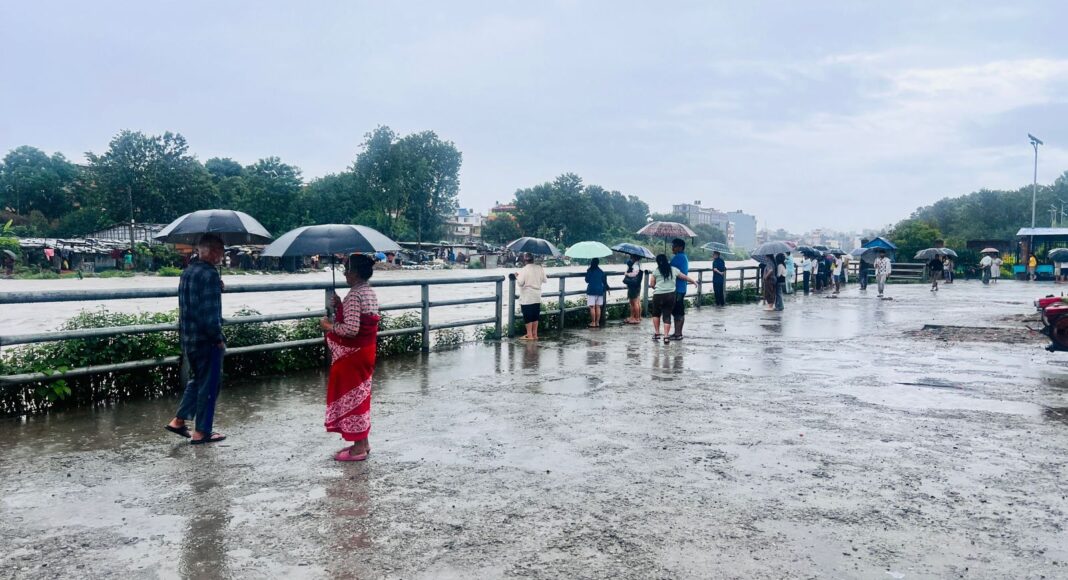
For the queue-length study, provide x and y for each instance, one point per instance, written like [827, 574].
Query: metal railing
[562, 293]
[424, 329]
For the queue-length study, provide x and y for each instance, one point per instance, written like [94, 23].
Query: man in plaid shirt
[200, 329]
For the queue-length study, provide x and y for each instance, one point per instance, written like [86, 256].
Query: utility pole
[1035, 142]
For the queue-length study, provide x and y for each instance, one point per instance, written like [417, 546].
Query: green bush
[115, 274]
[169, 271]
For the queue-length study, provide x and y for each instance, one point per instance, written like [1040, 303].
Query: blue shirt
[200, 306]
[681, 262]
[718, 264]
[595, 282]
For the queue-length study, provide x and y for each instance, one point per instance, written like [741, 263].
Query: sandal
[656, 337]
[182, 431]
[213, 438]
[344, 455]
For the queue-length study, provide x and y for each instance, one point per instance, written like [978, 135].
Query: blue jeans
[202, 390]
[779, 289]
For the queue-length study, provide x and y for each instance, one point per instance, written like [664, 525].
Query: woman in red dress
[352, 339]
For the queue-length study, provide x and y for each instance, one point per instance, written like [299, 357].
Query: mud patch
[975, 334]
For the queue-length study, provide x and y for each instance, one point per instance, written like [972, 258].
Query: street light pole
[1035, 142]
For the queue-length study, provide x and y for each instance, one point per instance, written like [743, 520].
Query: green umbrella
[588, 251]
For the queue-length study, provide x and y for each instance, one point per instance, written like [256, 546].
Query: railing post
[330, 314]
[425, 288]
[511, 306]
[645, 293]
[700, 281]
[499, 305]
[562, 305]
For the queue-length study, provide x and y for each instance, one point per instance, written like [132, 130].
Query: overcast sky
[808, 114]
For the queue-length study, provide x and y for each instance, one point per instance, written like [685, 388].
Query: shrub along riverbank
[108, 388]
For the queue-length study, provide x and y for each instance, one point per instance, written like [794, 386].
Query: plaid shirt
[200, 306]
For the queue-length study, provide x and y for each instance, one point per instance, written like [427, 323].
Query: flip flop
[182, 431]
[344, 455]
[213, 438]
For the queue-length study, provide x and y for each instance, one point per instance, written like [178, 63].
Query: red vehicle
[1054, 321]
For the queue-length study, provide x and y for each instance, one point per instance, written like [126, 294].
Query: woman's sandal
[667, 340]
[344, 455]
[656, 337]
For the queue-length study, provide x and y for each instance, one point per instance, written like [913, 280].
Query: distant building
[465, 227]
[698, 216]
[745, 229]
[121, 233]
[502, 208]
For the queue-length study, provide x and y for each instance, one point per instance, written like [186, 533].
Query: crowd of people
[351, 335]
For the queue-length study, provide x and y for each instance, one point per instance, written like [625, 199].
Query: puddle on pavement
[927, 399]
[569, 386]
[1056, 414]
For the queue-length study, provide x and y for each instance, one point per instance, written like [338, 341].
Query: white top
[781, 270]
[530, 280]
[986, 261]
[882, 266]
[838, 266]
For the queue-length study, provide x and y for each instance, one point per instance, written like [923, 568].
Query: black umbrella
[809, 252]
[1055, 255]
[234, 227]
[932, 253]
[528, 245]
[330, 239]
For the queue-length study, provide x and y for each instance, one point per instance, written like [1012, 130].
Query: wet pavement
[835, 439]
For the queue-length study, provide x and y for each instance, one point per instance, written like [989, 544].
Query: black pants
[679, 311]
[863, 280]
[806, 278]
[718, 287]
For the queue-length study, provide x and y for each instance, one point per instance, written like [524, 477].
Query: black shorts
[679, 309]
[662, 306]
[531, 312]
[634, 291]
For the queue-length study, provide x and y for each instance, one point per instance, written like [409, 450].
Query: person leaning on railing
[530, 280]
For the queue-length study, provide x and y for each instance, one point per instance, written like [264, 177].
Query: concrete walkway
[835, 439]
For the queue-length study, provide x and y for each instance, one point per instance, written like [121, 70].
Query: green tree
[562, 211]
[911, 236]
[709, 233]
[501, 229]
[427, 171]
[148, 178]
[30, 181]
[271, 194]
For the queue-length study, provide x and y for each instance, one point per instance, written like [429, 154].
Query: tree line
[404, 186]
[987, 214]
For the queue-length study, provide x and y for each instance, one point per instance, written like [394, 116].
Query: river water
[26, 318]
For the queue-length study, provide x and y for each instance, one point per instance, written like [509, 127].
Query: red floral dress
[353, 345]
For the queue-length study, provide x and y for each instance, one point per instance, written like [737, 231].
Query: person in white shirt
[882, 271]
[530, 280]
[836, 275]
[806, 274]
[995, 268]
[984, 266]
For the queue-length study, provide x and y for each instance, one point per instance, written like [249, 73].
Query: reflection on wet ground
[819, 441]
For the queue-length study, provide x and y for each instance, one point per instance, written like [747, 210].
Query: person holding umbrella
[882, 271]
[984, 266]
[664, 282]
[632, 279]
[935, 269]
[353, 341]
[769, 280]
[682, 262]
[530, 280]
[200, 331]
[780, 280]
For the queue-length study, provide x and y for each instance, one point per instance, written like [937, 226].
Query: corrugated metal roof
[1042, 232]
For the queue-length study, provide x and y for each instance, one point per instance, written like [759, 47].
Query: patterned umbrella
[234, 227]
[666, 230]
